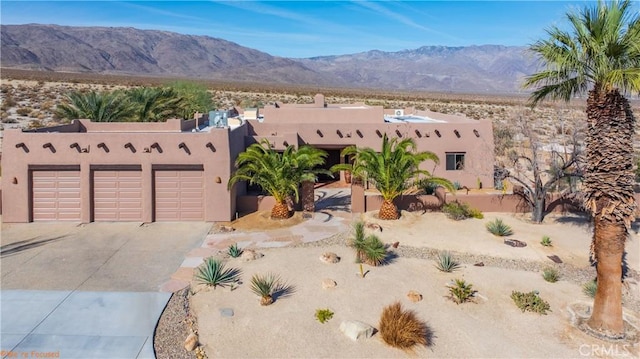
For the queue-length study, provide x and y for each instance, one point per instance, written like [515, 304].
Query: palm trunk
[388, 210]
[606, 318]
[280, 211]
[609, 194]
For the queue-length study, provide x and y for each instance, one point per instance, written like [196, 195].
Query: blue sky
[313, 28]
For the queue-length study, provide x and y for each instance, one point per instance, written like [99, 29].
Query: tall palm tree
[393, 170]
[279, 174]
[600, 54]
[153, 104]
[96, 106]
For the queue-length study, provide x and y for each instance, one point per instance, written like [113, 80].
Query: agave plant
[265, 286]
[233, 251]
[446, 263]
[213, 273]
[369, 249]
[498, 228]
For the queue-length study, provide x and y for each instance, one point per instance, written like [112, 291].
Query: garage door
[117, 195]
[179, 195]
[56, 195]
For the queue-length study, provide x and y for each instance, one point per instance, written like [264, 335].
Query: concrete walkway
[322, 225]
[88, 291]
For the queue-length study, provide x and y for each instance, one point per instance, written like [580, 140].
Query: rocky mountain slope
[474, 69]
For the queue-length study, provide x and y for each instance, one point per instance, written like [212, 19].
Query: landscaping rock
[356, 330]
[479, 264]
[328, 283]
[374, 226]
[555, 259]
[226, 229]
[250, 254]
[226, 312]
[515, 243]
[191, 342]
[395, 244]
[330, 258]
[414, 296]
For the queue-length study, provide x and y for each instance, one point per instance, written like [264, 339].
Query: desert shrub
[24, 111]
[459, 211]
[369, 249]
[9, 120]
[546, 241]
[323, 315]
[265, 286]
[551, 275]
[213, 273]
[233, 251]
[498, 228]
[35, 124]
[446, 263]
[401, 328]
[457, 185]
[530, 302]
[589, 288]
[461, 291]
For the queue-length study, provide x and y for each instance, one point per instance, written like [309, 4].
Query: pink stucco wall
[217, 161]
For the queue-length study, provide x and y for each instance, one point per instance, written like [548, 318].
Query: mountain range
[118, 50]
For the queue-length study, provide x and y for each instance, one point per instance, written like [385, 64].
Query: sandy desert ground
[491, 326]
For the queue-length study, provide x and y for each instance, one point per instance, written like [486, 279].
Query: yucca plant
[369, 249]
[551, 275]
[446, 263]
[234, 251]
[589, 288]
[461, 292]
[213, 273]
[265, 286]
[498, 228]
[401, 328]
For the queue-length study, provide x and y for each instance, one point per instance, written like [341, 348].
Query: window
[455, 161]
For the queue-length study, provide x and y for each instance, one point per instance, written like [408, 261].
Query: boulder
[329, 257]
[250, 254]
[414, 296]
[328, 283]
[356, 330]
[191, 342]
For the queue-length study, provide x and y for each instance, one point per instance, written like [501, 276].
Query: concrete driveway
[88, 291]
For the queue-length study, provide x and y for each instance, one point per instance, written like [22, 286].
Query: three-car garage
[117, 193]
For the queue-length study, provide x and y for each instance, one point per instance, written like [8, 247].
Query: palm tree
[153, 104]
[392, 171]
[600, 54]
[96, 106]
[279, 174]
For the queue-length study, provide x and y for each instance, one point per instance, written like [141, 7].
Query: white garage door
[117, 196]
[56, 195]
[179, 195]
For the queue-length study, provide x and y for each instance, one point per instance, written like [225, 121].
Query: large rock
[356, 330]
[250, 254]
[329, 257]
[414, 296]
[328, 283]
[191, 342]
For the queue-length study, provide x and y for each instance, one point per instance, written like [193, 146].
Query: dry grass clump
[402, 329]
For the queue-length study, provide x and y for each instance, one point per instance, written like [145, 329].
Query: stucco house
[178, 170]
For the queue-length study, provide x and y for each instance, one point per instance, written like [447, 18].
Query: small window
[455, 161]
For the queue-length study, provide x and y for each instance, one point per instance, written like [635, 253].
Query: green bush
[530, 302]
[461, 292]
[446, 263]
[499, 228]
[546, 241]
[551, 275]
[459, 211]
[323, 315]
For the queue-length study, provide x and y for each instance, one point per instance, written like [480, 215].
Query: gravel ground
[173, 326]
